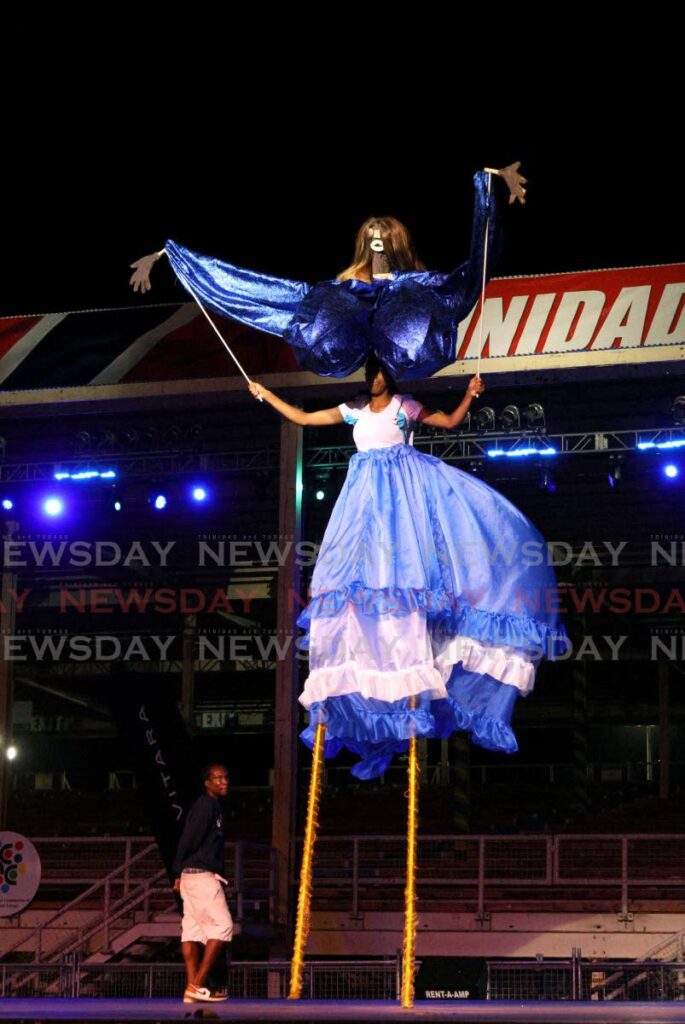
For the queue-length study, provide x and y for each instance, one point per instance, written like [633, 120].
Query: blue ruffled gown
[429, 588]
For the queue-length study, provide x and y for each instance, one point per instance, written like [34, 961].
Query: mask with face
[380, 263]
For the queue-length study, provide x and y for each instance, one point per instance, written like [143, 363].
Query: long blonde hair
[397, 244]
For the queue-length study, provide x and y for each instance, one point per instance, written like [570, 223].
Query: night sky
[262, 148]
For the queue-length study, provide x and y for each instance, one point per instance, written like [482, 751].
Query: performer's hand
[476, 387]
[515, 182]
[177, 885]
[140, 279]
[258, 390]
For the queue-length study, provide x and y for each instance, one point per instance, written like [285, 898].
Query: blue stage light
[85, 474]
[671, 471]
[320, 495]
[117, 506]
[53, 506]
[199, 494]
[661, 446]
[519, 453]
[7, 504]
[160, 501]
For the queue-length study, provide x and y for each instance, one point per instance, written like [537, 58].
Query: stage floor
[29, 1010]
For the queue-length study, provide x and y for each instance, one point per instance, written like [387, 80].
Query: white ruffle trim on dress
[386, 686]
[394, 657]
[501, 663]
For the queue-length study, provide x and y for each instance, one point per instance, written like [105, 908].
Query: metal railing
[77, 861]
[132, 892]
[536, 981]
[102, 917]
[36, 980]
[615, 773]
[246, 980]
[561, 980]
[618, 982]
[360, 872]
[577, 979]
[350, 871]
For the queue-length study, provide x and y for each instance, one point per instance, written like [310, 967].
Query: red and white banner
[629, 308]
[634, 314]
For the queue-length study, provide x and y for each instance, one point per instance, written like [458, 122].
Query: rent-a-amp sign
[596, 311]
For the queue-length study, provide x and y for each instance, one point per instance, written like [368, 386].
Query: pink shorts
[205, 912]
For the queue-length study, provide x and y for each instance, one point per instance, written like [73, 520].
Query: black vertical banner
[158, 745]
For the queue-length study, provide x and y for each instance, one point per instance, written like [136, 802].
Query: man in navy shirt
[198, 872]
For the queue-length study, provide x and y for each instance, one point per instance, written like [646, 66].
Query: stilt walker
[408, 638]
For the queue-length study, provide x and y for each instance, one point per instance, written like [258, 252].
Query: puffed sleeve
[259, 300]
[411, 407]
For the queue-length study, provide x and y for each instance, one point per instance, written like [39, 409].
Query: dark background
[268, 141]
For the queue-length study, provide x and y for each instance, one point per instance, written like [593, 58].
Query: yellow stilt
[410, 918]
[304, 898]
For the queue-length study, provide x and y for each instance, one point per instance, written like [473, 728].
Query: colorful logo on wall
[19, 872]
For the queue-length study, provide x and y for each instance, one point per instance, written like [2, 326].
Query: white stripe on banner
[136, 351]
[11, 360]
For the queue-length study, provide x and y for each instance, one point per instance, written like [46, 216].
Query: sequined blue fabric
[265, 302]
[410, 321]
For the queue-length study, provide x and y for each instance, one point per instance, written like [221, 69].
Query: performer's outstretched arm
[450, 420]
[321, 418]
[458, 291]
[259, 300]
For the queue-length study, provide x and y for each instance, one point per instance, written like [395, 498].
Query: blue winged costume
[410, 322]
[425, 616]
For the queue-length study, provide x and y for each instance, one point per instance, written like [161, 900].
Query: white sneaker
[200, 994]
